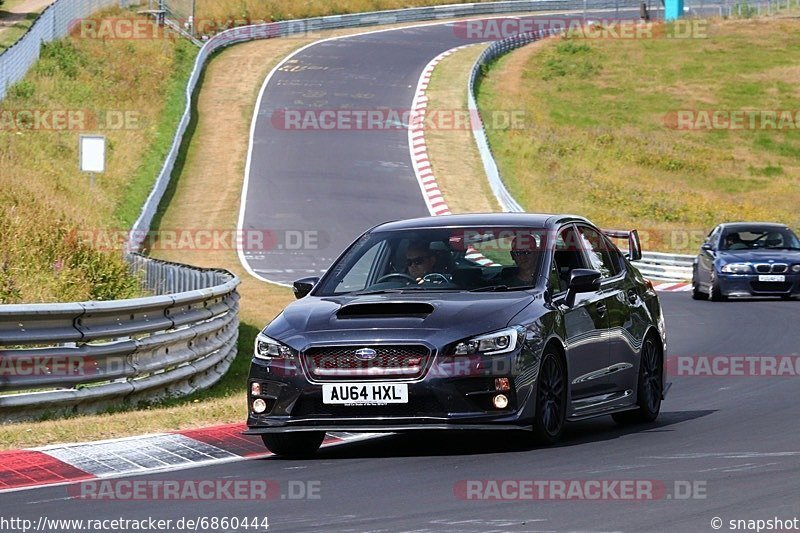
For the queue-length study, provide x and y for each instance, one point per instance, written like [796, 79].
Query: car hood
[436, 318]
[760, 255]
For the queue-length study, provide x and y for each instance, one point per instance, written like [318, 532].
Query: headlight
[795, 268]
[490, 344]
[269, 348]
[737, 268]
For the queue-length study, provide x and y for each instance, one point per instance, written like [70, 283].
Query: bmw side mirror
[582, 280]
[303, 286]
[707, 247]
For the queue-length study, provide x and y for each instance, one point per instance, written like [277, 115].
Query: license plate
[764, 277]
[364, 393]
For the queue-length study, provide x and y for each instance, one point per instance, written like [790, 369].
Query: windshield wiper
[502, 288]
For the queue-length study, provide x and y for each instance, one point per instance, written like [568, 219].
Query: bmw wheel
[715, 293]
[649, 388]
[551, 399]
[293, 445]
[696, 293]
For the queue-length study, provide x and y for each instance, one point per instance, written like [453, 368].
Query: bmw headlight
[796, 268]
[269, 348]
[496, 343]
[737, 268]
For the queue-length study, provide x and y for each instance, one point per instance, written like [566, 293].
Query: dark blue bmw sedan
[747, 259]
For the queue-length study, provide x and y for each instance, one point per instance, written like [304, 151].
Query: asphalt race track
[315, 190]
[734, 439]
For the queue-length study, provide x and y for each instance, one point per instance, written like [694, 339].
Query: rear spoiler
[634, 245]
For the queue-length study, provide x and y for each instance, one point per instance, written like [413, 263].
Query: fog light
[259, 405]
[500, 401]
[255, 389]
[502, 384]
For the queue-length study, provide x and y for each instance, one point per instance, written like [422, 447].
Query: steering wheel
[435, 277]
[396, 275]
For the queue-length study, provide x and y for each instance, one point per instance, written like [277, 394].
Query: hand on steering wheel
[387, 277]
[434, 276]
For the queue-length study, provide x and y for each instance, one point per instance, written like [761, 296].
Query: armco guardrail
[83, 357]
[303, 26]
[654, 265]
[666, 267]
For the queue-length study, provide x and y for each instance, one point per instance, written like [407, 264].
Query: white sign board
[93, 153]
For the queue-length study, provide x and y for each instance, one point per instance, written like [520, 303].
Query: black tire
[697, 294]
[714, 293]
[551, 399]
[293, 445]
[649, 387]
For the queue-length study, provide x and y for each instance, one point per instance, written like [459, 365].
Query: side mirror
[303, 286]
[634, 246]
[707, 247]
[582, 280]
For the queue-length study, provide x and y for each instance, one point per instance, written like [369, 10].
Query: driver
[419, 260]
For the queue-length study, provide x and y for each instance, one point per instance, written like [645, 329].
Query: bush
[23, 89]
[60, 56]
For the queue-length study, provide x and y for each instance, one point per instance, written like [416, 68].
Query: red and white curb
[673, 287]
[70, 463]
[434, 198]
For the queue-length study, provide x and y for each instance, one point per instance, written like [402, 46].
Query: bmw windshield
[756, 237]
[439, 259]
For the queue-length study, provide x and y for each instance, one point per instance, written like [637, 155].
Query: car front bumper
[751, 285]
[454, 396]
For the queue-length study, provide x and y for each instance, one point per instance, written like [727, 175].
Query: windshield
[439, 259]
[760, 238]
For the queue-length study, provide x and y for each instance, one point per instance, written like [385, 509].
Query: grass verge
[13, 33]
[274, 10]
[49, 211]
[601, 137]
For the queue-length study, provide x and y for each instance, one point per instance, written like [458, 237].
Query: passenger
[525, 253]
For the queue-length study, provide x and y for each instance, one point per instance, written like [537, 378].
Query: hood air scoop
[386, 310]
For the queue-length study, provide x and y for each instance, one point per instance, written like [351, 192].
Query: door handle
[601, 309]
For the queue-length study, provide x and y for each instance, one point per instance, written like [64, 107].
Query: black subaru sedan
[468, 322]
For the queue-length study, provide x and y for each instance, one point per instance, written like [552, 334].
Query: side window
[567, 256]
[713, 237]
[554, 281]
[598, 251]
[616, 257]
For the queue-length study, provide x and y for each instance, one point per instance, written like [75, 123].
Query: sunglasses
[416, 261]
[521, 253]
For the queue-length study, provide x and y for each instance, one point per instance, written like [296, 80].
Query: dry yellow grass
[44, 199]
[273, 10]
[454, 156]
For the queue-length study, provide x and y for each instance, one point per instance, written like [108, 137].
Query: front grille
[771, 286]
[774, 268]
[389, 363]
